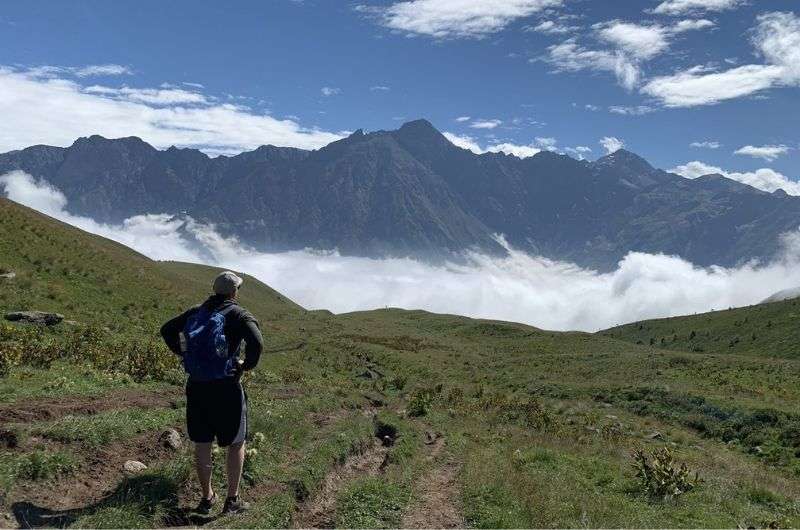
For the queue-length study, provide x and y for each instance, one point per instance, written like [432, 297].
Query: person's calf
[235, 464]
[204, 467]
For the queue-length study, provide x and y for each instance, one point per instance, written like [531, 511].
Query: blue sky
[523, 75]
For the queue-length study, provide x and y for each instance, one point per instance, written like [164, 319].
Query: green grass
[764, 330]
[106, 427]
[93, 280]
[140, 501]
[539, 425]
[40, 465]
[371, 503]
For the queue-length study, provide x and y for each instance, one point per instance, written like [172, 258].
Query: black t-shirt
[240, 325]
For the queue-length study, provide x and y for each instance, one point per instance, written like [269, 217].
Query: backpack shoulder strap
[224, 312]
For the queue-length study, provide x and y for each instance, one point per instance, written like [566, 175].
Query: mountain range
[411, 192]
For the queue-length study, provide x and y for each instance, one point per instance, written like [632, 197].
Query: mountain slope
[412, 192]
[763, 330]
[93, 280]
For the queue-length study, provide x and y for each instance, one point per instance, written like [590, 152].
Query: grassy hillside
[771, 329]
[378, 418]
[93, 280]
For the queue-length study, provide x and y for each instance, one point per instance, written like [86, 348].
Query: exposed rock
[431, 437]
[655, 436]
[35, 317]
[8, 276]
[133, 467]
[171, 439]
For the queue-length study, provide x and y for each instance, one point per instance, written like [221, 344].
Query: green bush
[10, 355]
[420, 402]
[141, 359]
[660, 477]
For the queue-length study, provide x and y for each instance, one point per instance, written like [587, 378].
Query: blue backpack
[204, 346]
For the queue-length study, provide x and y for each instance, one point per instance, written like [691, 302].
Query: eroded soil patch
[319, 511]
[436, 505]
[51, 409]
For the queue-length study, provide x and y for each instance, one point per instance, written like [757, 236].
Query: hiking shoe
[205, 505]
[235, 505]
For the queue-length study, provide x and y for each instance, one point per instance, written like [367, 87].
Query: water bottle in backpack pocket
[205, 347]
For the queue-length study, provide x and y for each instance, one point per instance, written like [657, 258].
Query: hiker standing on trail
[208, 337]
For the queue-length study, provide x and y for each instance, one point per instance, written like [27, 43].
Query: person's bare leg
[202, 463]
[234, 468]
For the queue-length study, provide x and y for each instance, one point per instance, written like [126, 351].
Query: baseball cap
[226, 283]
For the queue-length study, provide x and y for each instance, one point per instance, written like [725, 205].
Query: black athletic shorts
[216, 409]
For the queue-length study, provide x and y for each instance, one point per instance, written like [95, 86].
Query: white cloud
[637, 110]
[776, 38]
[569, 56]
[611, 144]
[91, 70]
[682, 7]
[464, 142]
[519, 287]
[767, 152]
[55, 111]
[444, 19]
[764, 179]
[462, 118]
[579, 151]
[330, 91]
[631, 45]
[591, 107]
[552, 27]
[485, 124]
[380, 88]
[697, 87]
[691, 25]
[102, 70]
[692, 170]
[153, 96]
[706, 145]
[519, 150]
[636, 40]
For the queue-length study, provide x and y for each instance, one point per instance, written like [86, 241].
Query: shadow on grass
[146, 500]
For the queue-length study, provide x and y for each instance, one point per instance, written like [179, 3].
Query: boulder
[8, 276]
[35, 317]
[170, 439]
[133, 467]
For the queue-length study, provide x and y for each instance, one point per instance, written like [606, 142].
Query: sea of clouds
[519, 287]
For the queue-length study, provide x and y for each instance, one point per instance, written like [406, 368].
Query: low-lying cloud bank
[519, 287]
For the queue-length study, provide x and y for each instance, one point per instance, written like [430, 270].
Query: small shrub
[10, 355]
[398, 382]
[41, 465]
[660, 477]
[292, 375]
[420, 403]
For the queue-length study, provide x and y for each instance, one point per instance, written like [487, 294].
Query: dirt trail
[51, 409]
[96, 477]
[319, 510]
[437, 495]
